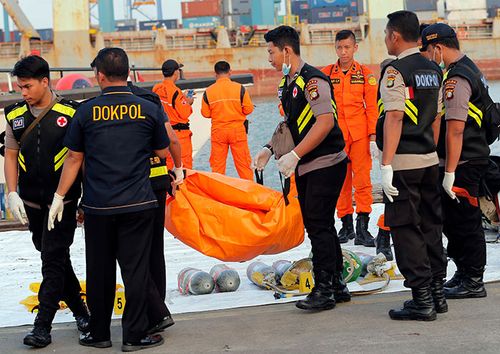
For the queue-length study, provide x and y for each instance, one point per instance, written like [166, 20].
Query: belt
[181, 126]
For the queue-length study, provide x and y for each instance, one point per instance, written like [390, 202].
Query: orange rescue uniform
[227, 103]
[178, 111]
[356, 97]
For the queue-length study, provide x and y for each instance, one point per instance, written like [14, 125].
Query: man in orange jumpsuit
[178, 109]
[227, 103]
[355, 89]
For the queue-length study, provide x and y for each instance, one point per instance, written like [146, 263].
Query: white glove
[449, 179]
[373, 150]
[56, 209]
[389, 190]
[261, 159]
[287, 163]
[179, 175]
[16, 207]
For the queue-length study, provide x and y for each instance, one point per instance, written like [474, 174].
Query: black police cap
[436, 32]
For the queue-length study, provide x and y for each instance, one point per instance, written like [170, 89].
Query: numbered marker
[306, 282]
[119, 302]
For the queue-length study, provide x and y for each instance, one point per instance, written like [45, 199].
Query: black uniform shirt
[117, 131]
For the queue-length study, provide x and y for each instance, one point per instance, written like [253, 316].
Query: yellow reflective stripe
[305, 112]
[300, 82]
[476, 110]
[381, 107]
[158, 171]
[60, 163]
[306, 120]
[69, 111]
[283, 82]
[20, 159]
[412, 111]
[60, 154]
[17, 112]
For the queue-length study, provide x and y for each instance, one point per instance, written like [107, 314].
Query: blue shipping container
[262, 12]
[421, 5]
[149, 25]
[329, 14]
[329, 3]
[201, 22]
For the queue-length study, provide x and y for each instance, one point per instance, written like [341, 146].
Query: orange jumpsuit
[227, 103]
[356, 97]
[178, 112]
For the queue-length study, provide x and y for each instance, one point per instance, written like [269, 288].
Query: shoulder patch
[392, 71]
[312, 89]
[372, 81]
[390, 81]
[449, 88]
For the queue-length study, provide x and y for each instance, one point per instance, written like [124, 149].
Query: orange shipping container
[200, 8]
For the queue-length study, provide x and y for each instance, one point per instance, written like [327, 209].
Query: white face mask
[285, 69]
[441, 63]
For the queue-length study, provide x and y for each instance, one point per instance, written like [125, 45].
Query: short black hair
[113, 63]
[31, 67]
[448, 42]
[222, 67]
[405, 23]
[345, 34]
[282, 36]
[422, 27]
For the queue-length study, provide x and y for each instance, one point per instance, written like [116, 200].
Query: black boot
[321, 296]
[383, 244]
[39, 337]
[363, 236]
[346, 233]
[438, 295]
[420, 308]
[457, 278]
[340, 291]
[470, 287]
[82, 317]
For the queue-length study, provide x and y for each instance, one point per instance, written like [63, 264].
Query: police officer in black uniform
[159, 314]
[35, 154]
[463, 150]
[115, 134]
[318, 161]
[408, 105]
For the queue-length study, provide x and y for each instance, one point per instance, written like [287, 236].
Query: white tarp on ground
[20, 266]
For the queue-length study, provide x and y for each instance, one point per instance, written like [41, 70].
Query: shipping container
[204, 8]
[201, 22]
[262, 12]
[461, 5]
[46, 34]
[329, 14]
[126, 28]
[421, 5]
[2, 36]
[493, 7]
[155, 24]
[330, 3]
[241, 7]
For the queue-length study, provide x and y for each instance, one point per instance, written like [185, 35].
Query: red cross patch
[62, 121]
[294, 92]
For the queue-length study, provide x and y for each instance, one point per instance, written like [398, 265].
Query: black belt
[181, 126]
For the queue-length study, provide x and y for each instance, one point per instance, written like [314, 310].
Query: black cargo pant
[415, 219]
[157, 308]
[126, 238]
[318, 193]
[59, 281]
[462, 223]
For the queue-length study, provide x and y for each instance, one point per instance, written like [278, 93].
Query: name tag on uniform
[335, 81]
[427, 80]
[117, 112]
[18, 123]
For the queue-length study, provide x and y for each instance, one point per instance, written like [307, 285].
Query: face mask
[441, 63]
[285, 69]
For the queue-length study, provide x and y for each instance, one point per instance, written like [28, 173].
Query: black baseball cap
[434, 33]
[168, 68]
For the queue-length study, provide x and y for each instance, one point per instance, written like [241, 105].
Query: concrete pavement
[362, 326]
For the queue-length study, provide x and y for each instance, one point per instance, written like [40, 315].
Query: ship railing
[472, 30]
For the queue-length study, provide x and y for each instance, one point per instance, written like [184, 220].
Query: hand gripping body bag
[232, 219]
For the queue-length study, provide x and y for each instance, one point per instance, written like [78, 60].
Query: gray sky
[39, 12]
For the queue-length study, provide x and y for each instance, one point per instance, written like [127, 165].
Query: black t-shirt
[117, 131]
